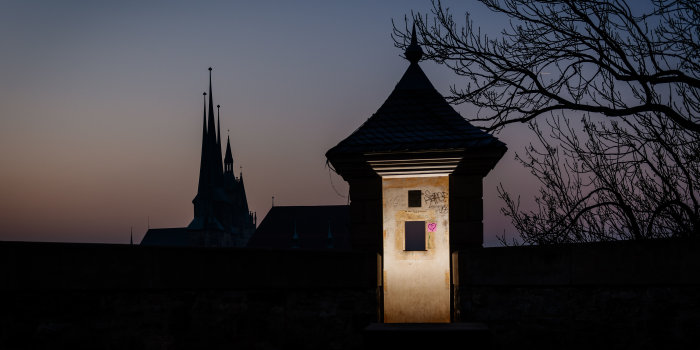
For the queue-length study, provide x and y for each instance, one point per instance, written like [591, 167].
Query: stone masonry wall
[617, 295]
[91, 296]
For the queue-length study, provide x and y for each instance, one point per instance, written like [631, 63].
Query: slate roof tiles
[414, 117]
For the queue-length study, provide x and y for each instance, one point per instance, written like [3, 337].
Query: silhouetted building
[304, 227]
[221, 214]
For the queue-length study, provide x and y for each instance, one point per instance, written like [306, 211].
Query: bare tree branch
[598, 55]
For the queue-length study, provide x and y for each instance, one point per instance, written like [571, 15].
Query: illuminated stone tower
[415, 171]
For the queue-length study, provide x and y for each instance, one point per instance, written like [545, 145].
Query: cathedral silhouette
[221, 214]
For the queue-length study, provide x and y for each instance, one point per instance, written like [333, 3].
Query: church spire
[228, 159]
[218, 125]
[212, 128]
[203, 174]
[215, 166]
[218, 141]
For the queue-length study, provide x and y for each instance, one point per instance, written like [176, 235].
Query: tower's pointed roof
[414, 118]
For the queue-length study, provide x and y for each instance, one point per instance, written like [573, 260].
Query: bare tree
[629, 170]
[629, 180]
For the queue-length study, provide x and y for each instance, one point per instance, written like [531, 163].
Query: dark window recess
[415, 235]
[414, 198]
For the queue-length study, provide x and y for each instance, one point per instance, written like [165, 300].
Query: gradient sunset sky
[101, 107]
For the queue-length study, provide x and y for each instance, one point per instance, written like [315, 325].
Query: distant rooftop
[173, 237]
[304, 227]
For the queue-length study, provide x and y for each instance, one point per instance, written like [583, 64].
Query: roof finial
[414, 40]
[414, 52]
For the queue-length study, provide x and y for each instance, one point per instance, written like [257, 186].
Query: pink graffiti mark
[431, 227]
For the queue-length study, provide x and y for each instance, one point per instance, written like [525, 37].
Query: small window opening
[415, 235]
[414, 198]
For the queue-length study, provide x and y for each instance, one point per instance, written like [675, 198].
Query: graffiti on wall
[436, 200]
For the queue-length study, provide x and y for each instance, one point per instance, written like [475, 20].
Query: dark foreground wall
[631, 295]
[87, 296]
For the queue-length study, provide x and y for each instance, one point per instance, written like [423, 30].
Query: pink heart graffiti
[432, 226]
